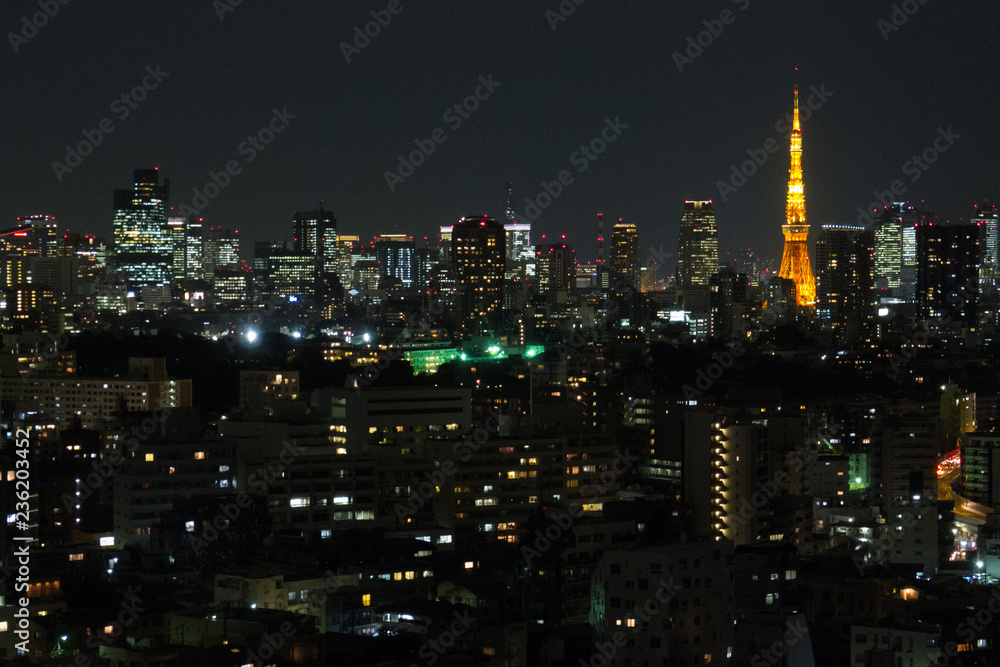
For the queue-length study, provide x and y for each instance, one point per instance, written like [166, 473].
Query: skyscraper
[221, 250]
[556, 266]
[186, 239]
[948, 259]
[697, 255]
[395, 256]
[316, 234]
[36, 235]
[478, 255]
[889, 252]
[986, 220]
[143, 251]
[625, 259]
[795, 263]
[844, 280]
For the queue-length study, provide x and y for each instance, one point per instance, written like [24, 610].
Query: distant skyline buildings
[626, 259]
[697, 254]
[478, 256]
[142, 245]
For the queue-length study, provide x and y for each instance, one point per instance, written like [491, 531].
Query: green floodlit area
[428, 360]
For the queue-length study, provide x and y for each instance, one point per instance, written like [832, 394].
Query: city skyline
[325, 150]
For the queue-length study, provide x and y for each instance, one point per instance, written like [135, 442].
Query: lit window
[199, 455]
[149, 457]
[366, 600]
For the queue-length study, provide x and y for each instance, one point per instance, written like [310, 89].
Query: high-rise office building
[478, 255]
[625, 259]
[316, 234]
[697, 255]
[187, 241]
[889, 252]
[520, 252]
[143, 249]
[730, 306]
[34, 235]
[948, 259]
[555, 265]
[989, 235]
[221, 250]
[395, 256]
[844, 279]
[795, 262]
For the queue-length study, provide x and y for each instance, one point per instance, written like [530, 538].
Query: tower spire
[795, 263]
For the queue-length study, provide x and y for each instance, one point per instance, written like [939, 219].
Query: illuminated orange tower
[795, 262]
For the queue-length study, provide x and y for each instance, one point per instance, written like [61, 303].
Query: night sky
[607, 60]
